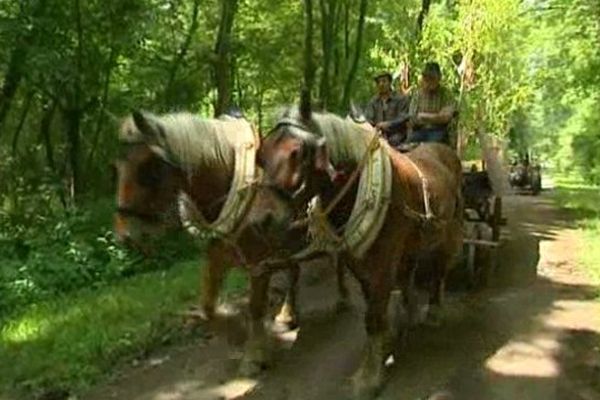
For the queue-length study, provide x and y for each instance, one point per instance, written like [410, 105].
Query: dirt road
[535, 334]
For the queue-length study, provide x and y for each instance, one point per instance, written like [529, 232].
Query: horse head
[148, 183]
[294, 157]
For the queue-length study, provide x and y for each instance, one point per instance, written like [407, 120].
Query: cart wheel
[496, 219]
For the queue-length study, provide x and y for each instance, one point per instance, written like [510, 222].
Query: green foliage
[583, 201]
[69, 70]
[70, 343]
[48, 255]
[566, 57]
[492, 37]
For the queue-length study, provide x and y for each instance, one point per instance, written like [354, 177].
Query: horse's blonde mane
[347, 141]
[192, 142]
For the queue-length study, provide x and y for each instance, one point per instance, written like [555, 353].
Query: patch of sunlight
[574, 314]
[39, 320]
[180, 391]
[234, 388]
[534, 357]
[197, 389]
[27, 328]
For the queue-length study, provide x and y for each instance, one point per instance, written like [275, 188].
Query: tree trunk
[425, 5]
[11, 82]
[181, 53]
[346, 30]
[328, 30]
[309, 68]
[259, 108]
[49, 109]
[101, 117]
[16, 64]
[45, 125]
[22, 118]
[222, 69]
[238, 99]
[72, 120]
[73, 112]
[326, 47]
[347, 94]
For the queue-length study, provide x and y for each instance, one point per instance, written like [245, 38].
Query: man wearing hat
[386, 107]
[431, 109]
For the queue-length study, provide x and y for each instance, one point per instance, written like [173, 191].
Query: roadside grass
[68, 343]
[583, 200]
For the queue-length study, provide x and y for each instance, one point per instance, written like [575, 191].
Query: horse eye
[150, 173]
[295, 154]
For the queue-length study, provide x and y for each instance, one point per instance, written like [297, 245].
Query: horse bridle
[292, 197]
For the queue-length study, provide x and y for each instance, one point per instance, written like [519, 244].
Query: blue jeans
[429, 135]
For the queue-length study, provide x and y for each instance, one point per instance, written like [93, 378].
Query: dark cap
[432, 69]
[383, 75]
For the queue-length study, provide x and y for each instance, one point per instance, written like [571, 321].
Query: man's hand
[382, 126]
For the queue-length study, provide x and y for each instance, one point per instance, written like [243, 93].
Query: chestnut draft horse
[303, 149]
[165, 157]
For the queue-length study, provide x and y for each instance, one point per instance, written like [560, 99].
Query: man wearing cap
[431, 109]
[386, 107]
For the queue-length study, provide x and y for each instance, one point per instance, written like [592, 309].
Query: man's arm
[370, 112]
[399, 122]
[400, 115]
[443, 117]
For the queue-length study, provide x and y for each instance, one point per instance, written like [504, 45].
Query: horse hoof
[286, 319]
[286, 322]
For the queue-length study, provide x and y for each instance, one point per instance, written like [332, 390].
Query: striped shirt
[424, 102]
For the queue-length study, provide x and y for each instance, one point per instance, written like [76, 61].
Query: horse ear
[145, 124]
[356, 113]
[322, 162]
[305, 107]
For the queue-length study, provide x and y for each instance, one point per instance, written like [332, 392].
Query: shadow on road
[533, 334]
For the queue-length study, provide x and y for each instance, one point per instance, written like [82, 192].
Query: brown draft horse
[300, 153]
[201, 166]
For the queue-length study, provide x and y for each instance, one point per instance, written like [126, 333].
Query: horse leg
[443, 261]
[212, 278]
[343, 302]
[409, 295]
[437, 287]
[288, 314]
[255, 353]
[376, 288]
